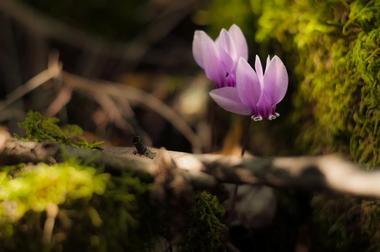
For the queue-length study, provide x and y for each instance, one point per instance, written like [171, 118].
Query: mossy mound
[332, 51]
[46, 129]
[336, 45]
[70, 206]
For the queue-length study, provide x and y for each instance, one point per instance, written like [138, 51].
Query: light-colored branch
[322, 173]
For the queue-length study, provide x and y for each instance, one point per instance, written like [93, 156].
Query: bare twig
[136, 96]
[53, 71]
[321, 173]
[63, 97]
[113, 97]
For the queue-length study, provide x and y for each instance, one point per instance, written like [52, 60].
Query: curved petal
[275, 80]
[247, 84]
[267, 64]
[198, 47]
[226, 61]
[259, 71]
[225, 43]
[239, 41]
[228, 99]
[206, 55]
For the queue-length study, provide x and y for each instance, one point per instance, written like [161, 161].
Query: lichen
[205, 229]
[46, 129]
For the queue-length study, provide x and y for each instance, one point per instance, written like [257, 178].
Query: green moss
[34, 188]
[337, 48]
[346, 224]
[205, 229]
[44, 129]
[332, 52]
[97, 212]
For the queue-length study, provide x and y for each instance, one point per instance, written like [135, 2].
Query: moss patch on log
[46, 129]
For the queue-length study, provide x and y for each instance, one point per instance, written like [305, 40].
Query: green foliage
[45, 129]
[205, 229]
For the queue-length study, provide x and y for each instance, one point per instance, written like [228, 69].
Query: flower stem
[245, 138]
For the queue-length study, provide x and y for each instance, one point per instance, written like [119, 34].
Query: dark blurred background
[145, 44]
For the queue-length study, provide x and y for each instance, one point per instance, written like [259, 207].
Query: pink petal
[247, 84]
[205, 54]
[228, 99]
[275, 80]
[259, 71]
[225, 43]
[267, 64]
[198, 47]
[239, 41]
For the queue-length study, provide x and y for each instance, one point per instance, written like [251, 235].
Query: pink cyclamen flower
[256, 93]
[219, 58]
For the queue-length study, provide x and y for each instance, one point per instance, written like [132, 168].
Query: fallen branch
[322, 173]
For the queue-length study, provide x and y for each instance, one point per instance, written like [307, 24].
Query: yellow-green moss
[35, 187]
[46, 129]
[97, 212]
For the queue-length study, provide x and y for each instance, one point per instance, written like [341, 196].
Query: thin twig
[63, 97]
[53, 71]
[106, 93]
[136, 96]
